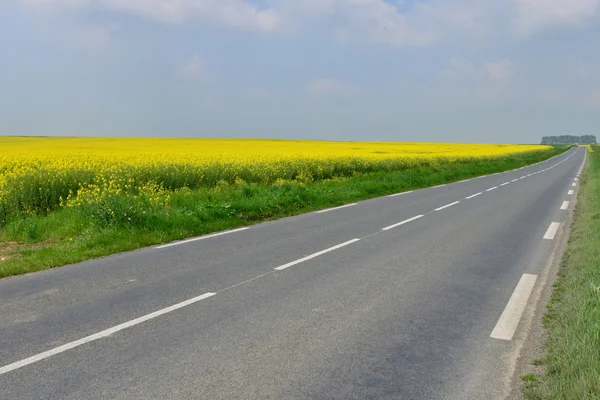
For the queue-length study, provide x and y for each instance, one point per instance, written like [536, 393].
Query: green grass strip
[36, 242]
[572, 363]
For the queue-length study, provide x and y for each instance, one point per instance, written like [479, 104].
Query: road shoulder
[533, 358]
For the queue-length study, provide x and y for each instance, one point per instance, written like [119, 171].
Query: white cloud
[196, 68]
[324, 87]
[376, 21]
[443, 17]
[381, 22]
[498, 70]
[459, 66]
[90, 35]
[396, 23]
[94, 36]
[536, 14]
[237, 14]
[56, 4]
[463, 67]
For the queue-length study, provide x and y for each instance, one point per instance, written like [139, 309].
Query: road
[424, 295]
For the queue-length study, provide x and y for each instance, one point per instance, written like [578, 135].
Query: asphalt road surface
[424, 295]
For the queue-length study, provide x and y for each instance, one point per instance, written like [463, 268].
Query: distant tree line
[569, 139]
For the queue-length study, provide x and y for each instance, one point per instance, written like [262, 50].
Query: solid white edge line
[551, 232]
[565, 205]
[473, 195]
[447, 205]
[100, 335]
[493, 188]
[402, 223]
[400, 194]
[317, 254]
[509, 320]
[164, 246]
[571, 192]
[335, 208]
[438, 186]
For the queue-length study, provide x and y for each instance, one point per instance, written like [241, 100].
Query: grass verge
[69, 235]
[572, 363]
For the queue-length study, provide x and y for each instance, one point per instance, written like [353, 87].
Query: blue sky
[433, 70]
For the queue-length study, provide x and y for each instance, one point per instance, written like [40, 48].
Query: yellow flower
[44, 173]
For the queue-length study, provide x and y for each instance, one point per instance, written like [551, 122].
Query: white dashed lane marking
[317, 254]
[100, 335]
[551, 232]
[400, 194]
[335, 208]
[509, 320]
[447, 205]
[164, 246]
[402, 223]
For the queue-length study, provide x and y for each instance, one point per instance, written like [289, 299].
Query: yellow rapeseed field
[39, 174]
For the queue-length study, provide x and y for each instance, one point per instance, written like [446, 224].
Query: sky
[501, 71]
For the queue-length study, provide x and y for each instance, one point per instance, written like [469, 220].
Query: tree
[569, 139]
